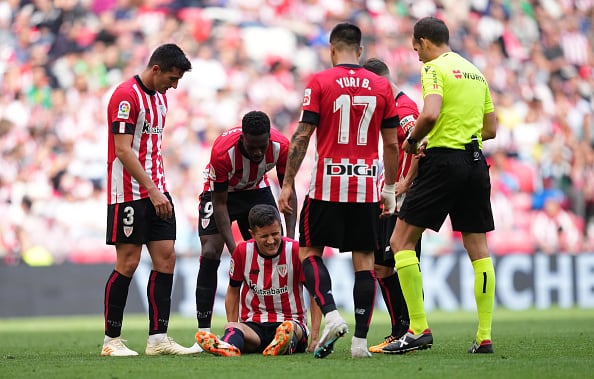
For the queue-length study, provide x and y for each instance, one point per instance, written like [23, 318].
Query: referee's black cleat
[485, 347]
[410, 342]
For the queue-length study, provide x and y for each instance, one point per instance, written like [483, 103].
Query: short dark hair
[377, 66]
[346, 34]
[255, 123]
[433, 29]
[263, 215]
[168, 56]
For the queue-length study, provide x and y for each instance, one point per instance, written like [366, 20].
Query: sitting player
[265, 306]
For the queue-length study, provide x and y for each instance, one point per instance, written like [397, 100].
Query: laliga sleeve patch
[407, 123]
[231, 267]
[124, 110]
[307, 96]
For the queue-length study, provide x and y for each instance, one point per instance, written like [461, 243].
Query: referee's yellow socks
[411, 282]
[484, 294]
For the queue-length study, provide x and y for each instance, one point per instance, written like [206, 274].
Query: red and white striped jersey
[272, 290]
[349, 105]
[227, 164]
[408, 112]
[134, 109]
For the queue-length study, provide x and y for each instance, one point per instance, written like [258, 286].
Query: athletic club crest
[205, 222]
[282, 270]
[128, 230]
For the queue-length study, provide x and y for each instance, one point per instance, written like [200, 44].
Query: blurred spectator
[59, 61]
[556, 230]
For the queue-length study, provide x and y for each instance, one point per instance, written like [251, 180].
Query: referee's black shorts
[450, 182]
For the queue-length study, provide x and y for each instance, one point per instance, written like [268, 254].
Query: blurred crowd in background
[60, 60]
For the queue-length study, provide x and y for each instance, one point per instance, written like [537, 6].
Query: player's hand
[163, 207]
[401, 187]
[313, 343]
[421, 150]
[411, 149]
[388, 200]
[284, 200]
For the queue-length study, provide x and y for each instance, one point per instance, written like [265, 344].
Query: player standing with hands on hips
[140, 210]
[453, 179]
[349, 108]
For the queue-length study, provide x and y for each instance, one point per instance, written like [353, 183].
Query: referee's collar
[141, 84]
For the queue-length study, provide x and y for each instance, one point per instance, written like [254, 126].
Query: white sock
[106, 339]
[332, 317]
[359, 342]
[204, 330]
[156, 338]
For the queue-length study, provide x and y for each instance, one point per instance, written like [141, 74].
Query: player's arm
[297, 150]
[221, 214]
[390, 157]
[426, 121]
[402, 186]
[315, 314]
[232, 302]
[489, 130]
[290, 216]
[124, 152]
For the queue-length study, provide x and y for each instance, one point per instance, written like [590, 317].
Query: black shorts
[267, 330]
[384, 256]
[450, 182]
[238, 205]
[137, 222]
[345, 226]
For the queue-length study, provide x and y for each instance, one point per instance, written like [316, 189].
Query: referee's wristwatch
[411, 141]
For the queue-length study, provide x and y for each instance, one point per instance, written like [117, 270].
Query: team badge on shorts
[128, 230]
[282, 270]
[205, 222]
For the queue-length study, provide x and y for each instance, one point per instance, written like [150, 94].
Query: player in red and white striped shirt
[140, 210]
[385, 272]
[265, 305]
[235, 180]
[349, 108]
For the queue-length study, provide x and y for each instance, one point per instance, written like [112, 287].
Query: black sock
[392, 294]
[364, 297]
[235, 337]
[318, 283]
[116, 293]
[206, 288]
[158, 292]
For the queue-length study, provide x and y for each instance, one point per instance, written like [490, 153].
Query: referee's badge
[128, 230]
[282, 270]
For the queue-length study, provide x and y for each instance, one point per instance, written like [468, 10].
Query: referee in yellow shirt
[453, 179]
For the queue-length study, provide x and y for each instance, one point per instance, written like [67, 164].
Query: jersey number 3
[343, 105]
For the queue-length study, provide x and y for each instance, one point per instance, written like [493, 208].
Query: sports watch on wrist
[412, 141]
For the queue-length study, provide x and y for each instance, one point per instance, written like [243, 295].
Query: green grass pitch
[552, 343]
